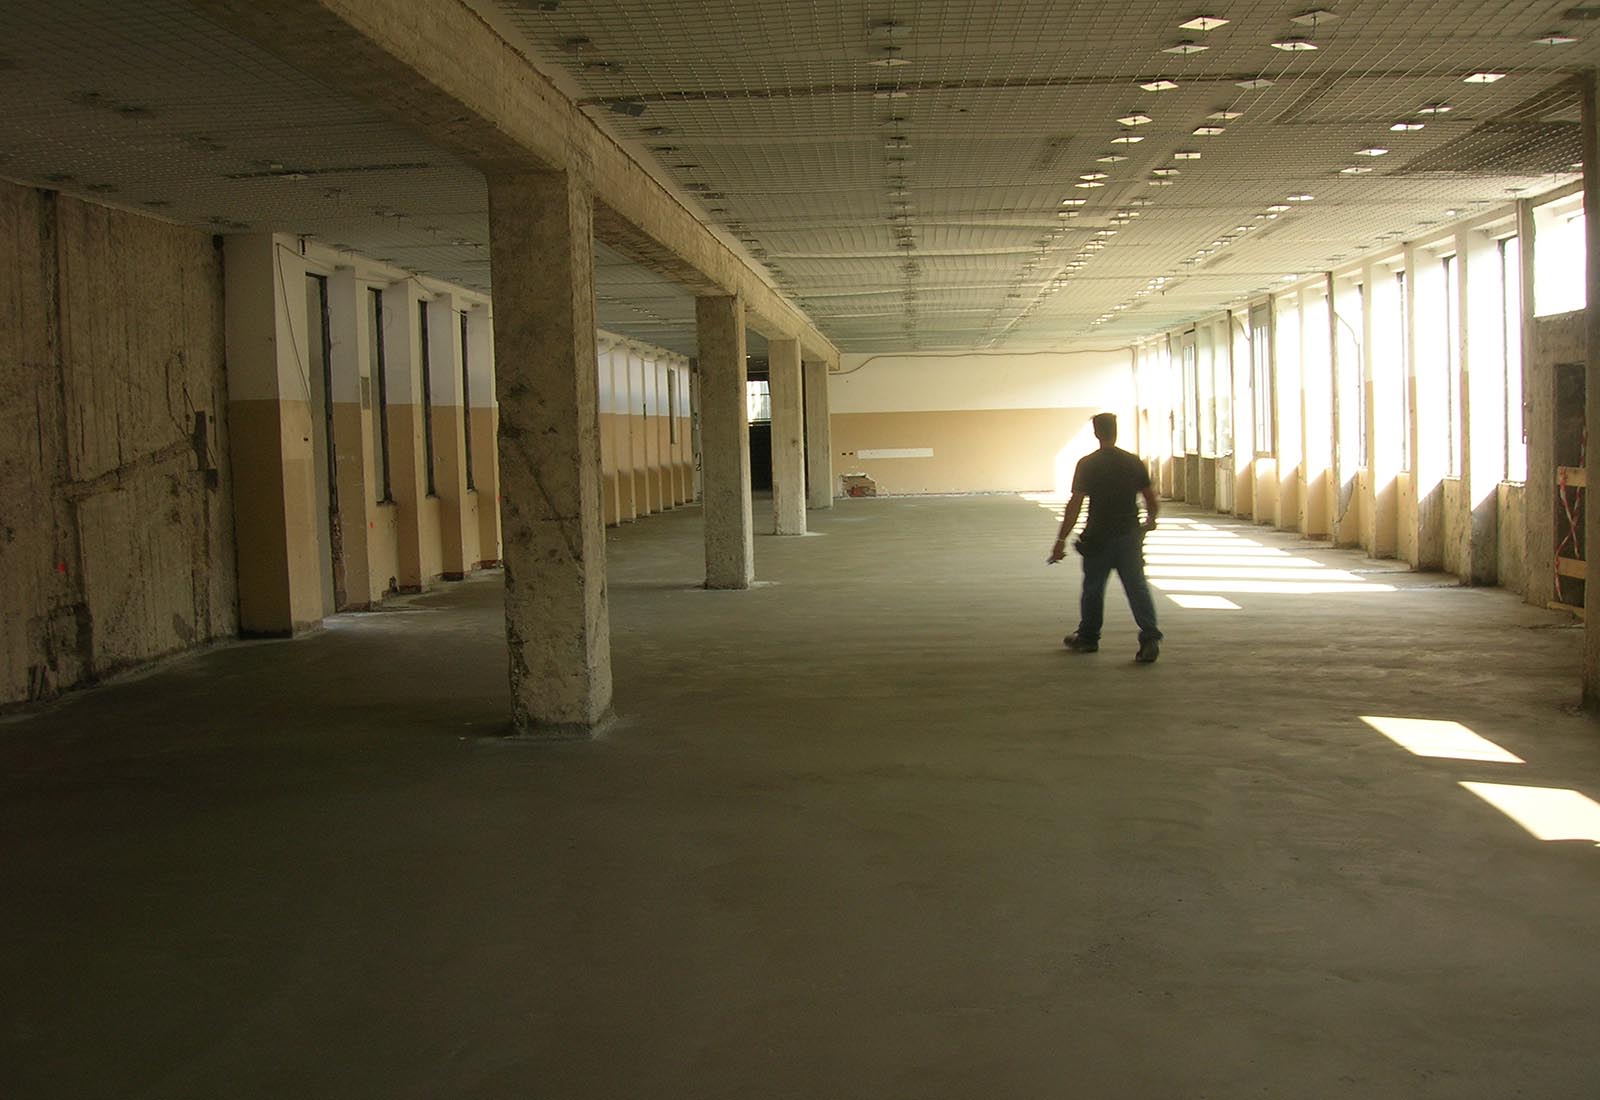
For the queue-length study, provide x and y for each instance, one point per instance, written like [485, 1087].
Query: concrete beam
[437, 68]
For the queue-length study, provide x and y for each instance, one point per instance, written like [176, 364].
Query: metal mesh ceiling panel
[900, 167]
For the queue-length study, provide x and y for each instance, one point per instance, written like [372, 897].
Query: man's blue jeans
[1125, 554]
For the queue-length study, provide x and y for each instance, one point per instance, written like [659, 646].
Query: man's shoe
[1148, 652]
[1080, 645]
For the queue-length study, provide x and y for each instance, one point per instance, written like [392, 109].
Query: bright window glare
[1232, 557]
[1435, 737]
[1549, 813]
[1204, 603]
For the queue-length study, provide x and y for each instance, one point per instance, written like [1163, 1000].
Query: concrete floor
[868, 831]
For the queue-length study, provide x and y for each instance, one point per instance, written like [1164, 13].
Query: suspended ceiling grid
[900, 167]
[149, 106]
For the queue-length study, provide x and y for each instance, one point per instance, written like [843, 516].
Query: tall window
[758, 401]
[1222, 386]
[466, 404]
[1560, 256]
[427, 396]
[672, 405]
[1404, 343]
[1452, 366]
[380, 389]
[1263, 380]
[1191, 395]
[1516, 464]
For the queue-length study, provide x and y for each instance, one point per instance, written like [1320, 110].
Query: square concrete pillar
[1591, 533]
[280, 516]
[557, 623]
[725, 439]
[788, 438]
[819, 438]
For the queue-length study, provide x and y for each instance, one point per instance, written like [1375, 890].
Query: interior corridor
[864, 830]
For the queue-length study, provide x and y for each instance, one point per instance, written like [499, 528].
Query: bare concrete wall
[116, 536]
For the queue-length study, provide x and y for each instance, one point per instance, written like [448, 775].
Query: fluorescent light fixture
[1312, 18]
[1158, 85]
[890, 62]
[1073, 202]
[1355, 170]
[1203, 23]
[1089, 183]
[1482, 78]
[1208, 131]
[1093, 176]
[1434, 109]
[1112, 158]
[1135, 119]
[1277, 209]
[1141, 202]
[1254, 83]
[890, 93]
[1294, 45]
[1163, 172]
[1127, 139]
[1186, 154]
[1225, 116]
[1186, 48]
[1406, 127]
[1373, 151]
[897, 143]
[1554, 38]
[1301, 198]
[1159, 183]
[1066, 213]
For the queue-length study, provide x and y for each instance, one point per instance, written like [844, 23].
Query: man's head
[1105, 427]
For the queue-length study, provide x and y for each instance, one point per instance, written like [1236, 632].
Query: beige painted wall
[118, 544]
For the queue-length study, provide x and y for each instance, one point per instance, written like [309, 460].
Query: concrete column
[352, 432]
[1483, 402]
[788, 438]
[541, 236]
[725, 437]
[485, 428]
[458, 506]
[282, 557]
[819, 437]
[1591, 522]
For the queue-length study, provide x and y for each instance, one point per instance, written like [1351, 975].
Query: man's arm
[1152, 505]
[1069, 520]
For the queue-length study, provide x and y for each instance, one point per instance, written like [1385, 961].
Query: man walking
[1113, 480]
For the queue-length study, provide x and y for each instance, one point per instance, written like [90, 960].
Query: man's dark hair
[1105, 427]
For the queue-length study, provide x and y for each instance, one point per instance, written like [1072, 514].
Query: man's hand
[1149, 523]
[1057, 552]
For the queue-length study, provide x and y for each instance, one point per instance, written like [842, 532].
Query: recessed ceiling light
[1355, 170]
[1278, 208]
[1301, 198]
[1136, 119]
[1127, 139]
[1293, 45]
[1482, 78]
[1112, 158]
[1254, 83]
[1404, 127]
[1186, 154]
[1451, 213]
[1208, 131]
[1089, 183]
[1073, 202]
[1158, 85]
[1203, 23]
[1093, 176]
[1434, 109]
[1186, 48]
[1554, 38]
[1312, 18]
[1225, 116]
[1164, 172]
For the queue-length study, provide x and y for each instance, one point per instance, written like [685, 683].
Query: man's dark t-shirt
[1112, 479]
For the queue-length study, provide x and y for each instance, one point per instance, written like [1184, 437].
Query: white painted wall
[941, 383]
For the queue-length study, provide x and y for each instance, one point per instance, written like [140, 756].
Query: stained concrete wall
[116, 531]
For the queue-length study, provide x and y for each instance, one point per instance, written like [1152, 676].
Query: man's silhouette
[1113, 538]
